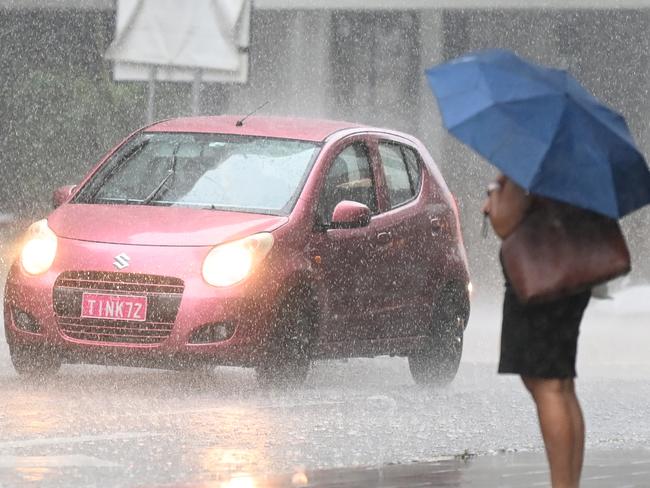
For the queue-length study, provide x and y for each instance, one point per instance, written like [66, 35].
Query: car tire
[34, 361]
[437, 364]
[287, 353]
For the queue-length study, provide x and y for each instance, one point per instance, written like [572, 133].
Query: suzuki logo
[121, 261]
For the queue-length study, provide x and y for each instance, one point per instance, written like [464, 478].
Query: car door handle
[436, 225]
[384, 237]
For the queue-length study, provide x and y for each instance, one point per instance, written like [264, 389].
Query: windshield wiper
[104, 178]
[170, 172]
[115, 200]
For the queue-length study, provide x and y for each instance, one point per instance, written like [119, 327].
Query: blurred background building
[358, 60]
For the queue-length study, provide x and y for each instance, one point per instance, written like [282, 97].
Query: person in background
[539, 343]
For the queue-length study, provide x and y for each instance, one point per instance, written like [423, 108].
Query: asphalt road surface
[99, 426]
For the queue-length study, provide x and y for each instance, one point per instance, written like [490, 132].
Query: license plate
[114, 307]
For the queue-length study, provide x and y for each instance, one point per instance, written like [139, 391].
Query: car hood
[156, 226]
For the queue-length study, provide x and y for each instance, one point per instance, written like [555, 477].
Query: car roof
[314, 130]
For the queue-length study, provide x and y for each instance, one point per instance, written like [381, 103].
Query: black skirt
[540, 341]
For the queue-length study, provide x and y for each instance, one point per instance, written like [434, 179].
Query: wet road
[97, 426]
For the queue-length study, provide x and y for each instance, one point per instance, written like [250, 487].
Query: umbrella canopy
[542, 129]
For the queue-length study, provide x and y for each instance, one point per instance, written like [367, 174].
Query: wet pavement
[357, 423]
[603, 469]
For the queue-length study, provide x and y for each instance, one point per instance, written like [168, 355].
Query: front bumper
[248, 308]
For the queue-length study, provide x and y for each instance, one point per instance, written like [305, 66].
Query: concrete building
[364, 60]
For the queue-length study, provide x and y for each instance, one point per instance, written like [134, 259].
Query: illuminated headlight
[39, 250]
[233, 262]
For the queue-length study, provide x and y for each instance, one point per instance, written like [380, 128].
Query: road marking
[49, 441]
[74, 460]
[641, 462]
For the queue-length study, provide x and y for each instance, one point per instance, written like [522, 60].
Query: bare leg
[562, 426]
[579, 430]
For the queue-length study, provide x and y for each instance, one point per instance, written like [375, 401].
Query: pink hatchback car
[265, 243]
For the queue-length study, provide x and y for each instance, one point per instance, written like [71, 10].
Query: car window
[349, 178]
[217, 171]
[413, 167]
[399, 180]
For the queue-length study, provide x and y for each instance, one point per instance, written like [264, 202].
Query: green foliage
[60, 122]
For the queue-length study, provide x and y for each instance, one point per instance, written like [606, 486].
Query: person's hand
[506, 205]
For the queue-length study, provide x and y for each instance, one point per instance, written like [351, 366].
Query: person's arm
[506, 205]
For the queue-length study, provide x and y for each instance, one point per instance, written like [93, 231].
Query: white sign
[173, 40]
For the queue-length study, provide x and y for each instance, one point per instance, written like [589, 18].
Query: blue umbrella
[542, 129]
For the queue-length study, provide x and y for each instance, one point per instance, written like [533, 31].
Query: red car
[265, 243]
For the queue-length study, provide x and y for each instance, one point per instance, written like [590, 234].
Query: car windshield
[217, 171]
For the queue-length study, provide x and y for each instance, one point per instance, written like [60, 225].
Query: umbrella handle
[484, 228]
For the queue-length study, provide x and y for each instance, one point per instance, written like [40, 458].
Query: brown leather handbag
[559, 250]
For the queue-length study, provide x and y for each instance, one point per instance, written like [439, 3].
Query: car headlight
[230, 263]
[39, 250]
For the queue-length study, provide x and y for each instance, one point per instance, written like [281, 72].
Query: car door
[350, 259]
[413, 227]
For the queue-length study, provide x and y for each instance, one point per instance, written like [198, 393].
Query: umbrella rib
[537, 179]
[524, 126]
[516, 122]
[528, 99]
[483, 109]
[608, 128]
[556, 133]
[610, 168]
[505, 141]
[590, 101]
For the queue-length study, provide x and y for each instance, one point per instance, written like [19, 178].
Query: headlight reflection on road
[31, 414]
[33, 474]
[232, 466]
[299, 478]
[244, 480]
[240, 481]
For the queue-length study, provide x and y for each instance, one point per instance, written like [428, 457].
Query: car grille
[163, 297]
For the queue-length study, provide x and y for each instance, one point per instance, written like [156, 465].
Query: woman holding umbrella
[556, 146]
[539, 343]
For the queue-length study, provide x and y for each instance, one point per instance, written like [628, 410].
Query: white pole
[151, 105]
[196, 92]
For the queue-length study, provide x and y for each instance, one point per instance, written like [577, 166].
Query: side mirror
[349, 215]
[62, 195]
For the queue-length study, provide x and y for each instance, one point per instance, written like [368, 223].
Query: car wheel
[437, 364]
[287, 353]
[34, 361]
